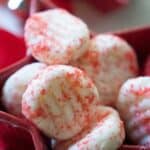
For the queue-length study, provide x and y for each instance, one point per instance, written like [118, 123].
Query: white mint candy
[105, 132]
[134, 107]
[56, 37]
[109, 62]
[60, 101]
[16, 85]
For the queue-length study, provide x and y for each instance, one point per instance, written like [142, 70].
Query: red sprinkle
[140, 91]
[93, 58]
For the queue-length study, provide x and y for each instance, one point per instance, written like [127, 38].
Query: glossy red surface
[18, 134]
[12, 48]
[14, 137]
[147, 66]
[63, 4]
[139, 38]
[108, 5]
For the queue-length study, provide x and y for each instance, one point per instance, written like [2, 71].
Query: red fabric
[12, 48]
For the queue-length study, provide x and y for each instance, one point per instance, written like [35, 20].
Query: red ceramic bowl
[138, 38]
[108, 5]
[12, 54]
[147, 66]
[18, 134]
[15, 133]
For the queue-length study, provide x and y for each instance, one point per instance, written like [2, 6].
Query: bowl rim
[118, 32]
[22, 59]
[27, 58]
[27, 126]
[15, 64]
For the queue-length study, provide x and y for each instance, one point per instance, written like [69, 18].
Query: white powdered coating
[106, 132]
[134, 107]
[16, 84]
[109, 62]
[60, 101]
[56, 37]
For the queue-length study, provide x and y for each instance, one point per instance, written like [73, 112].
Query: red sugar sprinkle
[141, 91]
[93, 58]
[43, 92]
[131, 58]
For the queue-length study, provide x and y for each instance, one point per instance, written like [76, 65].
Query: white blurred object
[10, 22]
[14, 4]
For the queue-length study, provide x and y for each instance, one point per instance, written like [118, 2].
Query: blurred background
[100, 15]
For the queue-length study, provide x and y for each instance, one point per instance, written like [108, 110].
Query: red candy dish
[12, 54]
[108, 5]
[147, 66]
[17, 134]
[103, 6]
[9, 47]
[138, 38]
